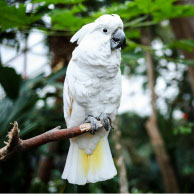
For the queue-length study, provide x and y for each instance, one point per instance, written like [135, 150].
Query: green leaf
[135, 21]
[53, 77]
[146, 6]
[66, 19]
[122, 67]
[47, 2]
[12, 17]
[169, 10]
[187, 45]
[184, 130]
[133, 34]
[10, 81]
[127, 10]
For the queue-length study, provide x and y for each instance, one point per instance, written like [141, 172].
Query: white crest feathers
[78, 36]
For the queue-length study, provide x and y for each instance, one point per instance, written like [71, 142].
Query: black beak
[118, 39]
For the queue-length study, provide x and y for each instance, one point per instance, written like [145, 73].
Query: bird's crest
[78, 36]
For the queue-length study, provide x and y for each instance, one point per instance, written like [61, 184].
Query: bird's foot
[94, 123]
[106, 121]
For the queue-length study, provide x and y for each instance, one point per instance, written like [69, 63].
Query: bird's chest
[99, 92]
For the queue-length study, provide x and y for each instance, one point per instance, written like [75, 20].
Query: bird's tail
[81, 168]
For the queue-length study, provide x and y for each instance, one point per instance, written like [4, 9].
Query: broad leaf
[10, 81]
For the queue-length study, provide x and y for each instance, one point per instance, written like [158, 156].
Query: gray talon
[106, 121]
[94, 123]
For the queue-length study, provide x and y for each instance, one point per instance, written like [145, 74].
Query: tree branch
[16, 144]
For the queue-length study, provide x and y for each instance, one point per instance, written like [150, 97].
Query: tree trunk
[120, 160]
[183, 28]
[152, 127]
[46, 163]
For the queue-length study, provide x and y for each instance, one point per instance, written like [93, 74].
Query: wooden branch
[16, 144]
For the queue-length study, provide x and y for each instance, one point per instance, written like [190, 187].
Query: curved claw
[94, 123]
[106, 121]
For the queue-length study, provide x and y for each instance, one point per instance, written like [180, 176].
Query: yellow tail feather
[93, 161]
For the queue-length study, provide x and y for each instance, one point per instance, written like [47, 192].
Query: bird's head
[106, 31]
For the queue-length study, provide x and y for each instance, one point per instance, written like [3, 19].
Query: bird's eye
[105, 30]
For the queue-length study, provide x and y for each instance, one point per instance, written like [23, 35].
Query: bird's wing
[67, 102]
[74, 112]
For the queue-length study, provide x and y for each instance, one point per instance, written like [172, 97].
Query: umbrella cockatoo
[92, 92]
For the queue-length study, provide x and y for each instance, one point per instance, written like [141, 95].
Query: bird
[92, 93]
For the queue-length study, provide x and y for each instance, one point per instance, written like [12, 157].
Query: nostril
[116, 39]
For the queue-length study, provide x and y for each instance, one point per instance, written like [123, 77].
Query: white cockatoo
[92, 92]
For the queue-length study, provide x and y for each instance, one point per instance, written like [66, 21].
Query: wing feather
[67, 102]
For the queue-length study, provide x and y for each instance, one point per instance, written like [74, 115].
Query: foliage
[184, 129]
[10, 83]
[12, 17]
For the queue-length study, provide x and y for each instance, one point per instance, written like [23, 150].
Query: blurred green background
[160, 36]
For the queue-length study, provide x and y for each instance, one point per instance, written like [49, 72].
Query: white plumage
[92, 86]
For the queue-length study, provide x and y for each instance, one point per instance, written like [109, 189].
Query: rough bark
[16, 144]
[120, 160]
[162, 157]
[46, 163]
[183, 28]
